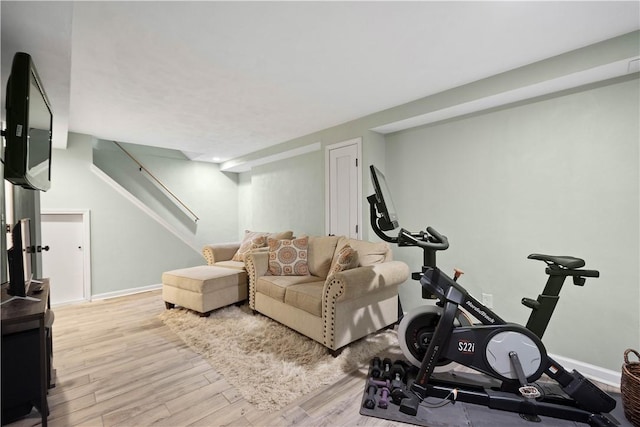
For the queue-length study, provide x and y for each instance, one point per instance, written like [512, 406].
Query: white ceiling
[224, 79]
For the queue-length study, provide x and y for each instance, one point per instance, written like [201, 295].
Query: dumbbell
[370, 401]
[376, 370]
[384, 399]
[386, 368]
[399, 371]
[399, 368]
[380, 383]
[397, 390]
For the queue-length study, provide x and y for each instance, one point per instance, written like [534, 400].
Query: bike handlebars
[432, 239]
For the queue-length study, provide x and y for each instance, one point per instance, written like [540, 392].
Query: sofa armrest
[356, 282]
[219, 252]
[256, 263]
[347, 287]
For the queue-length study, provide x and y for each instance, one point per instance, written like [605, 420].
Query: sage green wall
[557, 176]
[285, 195]
[128, 249]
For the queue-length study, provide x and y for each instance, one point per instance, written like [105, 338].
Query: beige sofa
[332, 309]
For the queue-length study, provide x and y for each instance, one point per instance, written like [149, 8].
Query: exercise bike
[512, 356]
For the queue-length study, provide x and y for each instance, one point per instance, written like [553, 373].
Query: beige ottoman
[203, 288]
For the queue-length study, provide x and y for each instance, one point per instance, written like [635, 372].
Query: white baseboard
[124, 292]
[597, 373]
[74, 302]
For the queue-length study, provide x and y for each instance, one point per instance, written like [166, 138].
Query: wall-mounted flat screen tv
[29, 125]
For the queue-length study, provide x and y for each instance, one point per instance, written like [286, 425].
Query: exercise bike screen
[389, 218]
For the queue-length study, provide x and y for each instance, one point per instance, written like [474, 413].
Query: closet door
[344, 189]
[64, 262]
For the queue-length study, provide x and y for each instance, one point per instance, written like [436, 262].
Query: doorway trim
[86, 243]
[327, 187]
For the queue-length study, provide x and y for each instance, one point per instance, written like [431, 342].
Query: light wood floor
[118, 365]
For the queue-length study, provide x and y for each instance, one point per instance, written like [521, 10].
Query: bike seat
[562, 261]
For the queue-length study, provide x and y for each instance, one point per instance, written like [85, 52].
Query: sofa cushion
[345, 259]
[250, 235]
[276, 286]
[321, 250]
[369, 253]
[237, 265]
[306, 296]
[288, 257]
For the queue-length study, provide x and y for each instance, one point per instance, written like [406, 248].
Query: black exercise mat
[460, 414]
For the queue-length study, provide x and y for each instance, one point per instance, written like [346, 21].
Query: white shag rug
[268, 363]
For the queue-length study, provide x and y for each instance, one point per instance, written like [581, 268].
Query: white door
[344, 210]
[63, 263]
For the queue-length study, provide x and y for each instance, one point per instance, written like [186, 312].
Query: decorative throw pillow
[252, 240]
[346, 259]
[246, 247]
[288, 257]
[249, 236]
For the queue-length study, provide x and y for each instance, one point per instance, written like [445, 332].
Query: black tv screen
[19, 257]
[29, 127]
[388, 219]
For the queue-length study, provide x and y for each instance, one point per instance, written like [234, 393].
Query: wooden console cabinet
[26, 354]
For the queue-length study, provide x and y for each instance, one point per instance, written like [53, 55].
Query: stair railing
[142, 168]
